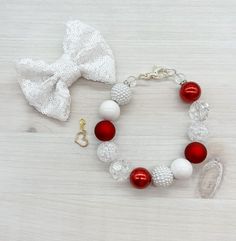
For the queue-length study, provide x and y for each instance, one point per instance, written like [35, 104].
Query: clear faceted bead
[198, 131]
[107, 151]
[120, 170]
[199, 111]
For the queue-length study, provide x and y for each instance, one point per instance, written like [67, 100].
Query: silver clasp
[158, 73]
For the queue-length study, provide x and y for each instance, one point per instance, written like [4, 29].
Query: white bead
[121, 93]
[107, 151]
[199, 111]
[181, 168]
[162, 176]
[109, 110]
[120, 170]
[198, 131]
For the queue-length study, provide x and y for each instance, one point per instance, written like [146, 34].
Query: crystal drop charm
[210, 178]
[199, 111]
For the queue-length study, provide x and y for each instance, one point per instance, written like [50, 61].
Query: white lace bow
[86, 54]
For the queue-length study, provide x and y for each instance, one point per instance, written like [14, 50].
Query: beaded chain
[181, 168]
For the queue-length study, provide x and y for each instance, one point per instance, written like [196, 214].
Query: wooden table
[53, 190]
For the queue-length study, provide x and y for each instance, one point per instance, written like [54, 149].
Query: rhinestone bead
[198, 131]
[107, 151]
[162, 176]
[120, 170]
[121, 93]
[199, 111]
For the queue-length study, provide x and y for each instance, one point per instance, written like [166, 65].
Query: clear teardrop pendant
[210, 178]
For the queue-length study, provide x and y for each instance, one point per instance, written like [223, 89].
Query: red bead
[140, 177]
[190, 92]
[105, 130]
[195, 152]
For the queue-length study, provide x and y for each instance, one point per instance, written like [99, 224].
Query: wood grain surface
[53, 190]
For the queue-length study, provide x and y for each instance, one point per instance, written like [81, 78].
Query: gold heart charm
[81, 139]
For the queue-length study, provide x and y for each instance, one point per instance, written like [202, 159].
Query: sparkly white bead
[121, 93]
[107, 151]
[162, 176]
[120, 170]
[109, 110]
[198, 131]
[199, 111]
[181, 168]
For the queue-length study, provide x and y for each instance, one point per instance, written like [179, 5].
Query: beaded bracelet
[163, 176]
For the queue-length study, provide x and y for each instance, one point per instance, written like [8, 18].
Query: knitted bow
[86, 54]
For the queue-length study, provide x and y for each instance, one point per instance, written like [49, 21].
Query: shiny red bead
[195, 152]
[140, 177]
[105, 130]
[190, 92]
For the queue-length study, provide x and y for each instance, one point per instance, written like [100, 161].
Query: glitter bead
[162, 176]
[198, 131]
[107, 151]
[120, 170]
[199, 111]
[121, 93]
